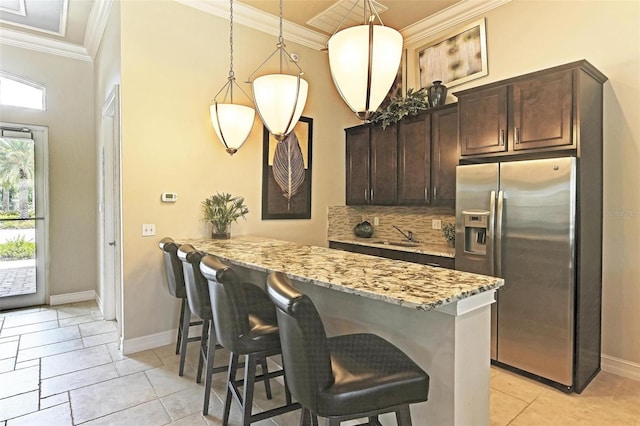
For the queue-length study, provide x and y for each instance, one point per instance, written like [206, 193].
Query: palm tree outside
[17, 232]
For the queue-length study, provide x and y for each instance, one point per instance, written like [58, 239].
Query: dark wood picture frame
[275, 204]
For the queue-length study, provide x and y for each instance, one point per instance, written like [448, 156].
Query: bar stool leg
[203, 349]
[249, 382]
[231, 377]
[185, 338]
[265, 373]
[403, 416]
[179, 339]
[211, 350]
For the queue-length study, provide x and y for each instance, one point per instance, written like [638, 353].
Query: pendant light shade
[280, 99]
[232, 123]
[364, 62]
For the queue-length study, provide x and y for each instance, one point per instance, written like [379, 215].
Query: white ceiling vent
[329, 19]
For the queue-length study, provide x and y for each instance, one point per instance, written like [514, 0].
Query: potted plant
[449, 233]
[221, 210]
[401, 107]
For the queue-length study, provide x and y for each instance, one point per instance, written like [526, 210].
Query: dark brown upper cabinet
[414, 160]
[411, 163]
[357, 167]
[483, 121]
[529, 114]
[542, 109]
[371, 164]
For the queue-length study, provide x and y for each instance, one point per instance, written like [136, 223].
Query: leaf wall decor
[288, 167]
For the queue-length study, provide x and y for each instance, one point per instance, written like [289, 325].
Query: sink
[398, 243]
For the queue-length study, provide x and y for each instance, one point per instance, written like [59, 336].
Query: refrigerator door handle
[498, 241]
[491, 235]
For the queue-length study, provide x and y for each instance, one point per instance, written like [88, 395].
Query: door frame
[110, 212]
[40, 136]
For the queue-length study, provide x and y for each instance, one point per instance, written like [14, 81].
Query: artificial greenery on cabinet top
[401, 107]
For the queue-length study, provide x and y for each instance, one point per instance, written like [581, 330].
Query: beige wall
[72, 151]
[525, 36]
[174, 60]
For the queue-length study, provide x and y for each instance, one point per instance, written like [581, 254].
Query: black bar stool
[343, 377]
[175, 283]
[200, 304]
[246, 324]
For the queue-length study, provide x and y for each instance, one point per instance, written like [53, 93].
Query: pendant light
[231, 122]
[364, 61]
[279, 98]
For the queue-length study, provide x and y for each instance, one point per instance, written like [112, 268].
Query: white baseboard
[80, 296]
[150, 341]
[620, 367]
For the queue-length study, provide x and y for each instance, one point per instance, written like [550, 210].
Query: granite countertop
[432, 249]
[401, 283]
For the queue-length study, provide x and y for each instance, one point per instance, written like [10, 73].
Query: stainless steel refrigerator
[518, 220]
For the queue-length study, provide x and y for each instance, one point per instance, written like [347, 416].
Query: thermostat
[169, 197]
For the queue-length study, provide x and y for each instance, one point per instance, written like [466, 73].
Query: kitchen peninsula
[439, 317]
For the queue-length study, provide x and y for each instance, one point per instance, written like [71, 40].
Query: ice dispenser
[476, 223]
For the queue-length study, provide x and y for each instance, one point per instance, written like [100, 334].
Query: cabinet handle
[435, 265]
[501, 137]
[371, 194]
[435, 192]
[516, 135]
[365, 194]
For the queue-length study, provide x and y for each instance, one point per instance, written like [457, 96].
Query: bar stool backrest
[196, 285]
[304, 341]
[173, 267]
[230, 314]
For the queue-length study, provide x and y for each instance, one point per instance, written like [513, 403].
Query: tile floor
[60, 366]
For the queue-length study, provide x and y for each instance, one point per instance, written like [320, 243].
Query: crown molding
[261, 21]
[42, 44]
[448, 18]
[96, 25]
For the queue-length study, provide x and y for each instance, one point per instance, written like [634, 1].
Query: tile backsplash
[342, 220]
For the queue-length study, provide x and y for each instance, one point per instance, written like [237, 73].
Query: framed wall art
[286, 173]
[455, 58]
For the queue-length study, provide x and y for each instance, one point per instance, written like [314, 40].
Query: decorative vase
[363, 229]
[437, 94]
[221, 232]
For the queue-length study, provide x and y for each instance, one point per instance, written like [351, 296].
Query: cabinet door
[384, 165]
[414, 160]
[357, 167]
[483, 121]
[444, 139]
[542, 110]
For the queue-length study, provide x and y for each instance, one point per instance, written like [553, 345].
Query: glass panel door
[22, 282]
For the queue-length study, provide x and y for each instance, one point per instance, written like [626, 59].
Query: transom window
[16, 91]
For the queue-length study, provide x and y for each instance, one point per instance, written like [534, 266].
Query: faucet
[408, 235]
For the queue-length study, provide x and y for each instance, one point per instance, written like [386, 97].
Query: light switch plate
[148, 229]
[436, 224]
[376, 220]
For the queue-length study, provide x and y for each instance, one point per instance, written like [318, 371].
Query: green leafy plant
[399, 108]
[17, 249]
[222, 209]
[449, 232]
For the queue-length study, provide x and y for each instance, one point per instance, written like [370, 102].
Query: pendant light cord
[231, 74]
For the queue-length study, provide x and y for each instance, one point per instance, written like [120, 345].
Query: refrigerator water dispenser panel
[476, 223]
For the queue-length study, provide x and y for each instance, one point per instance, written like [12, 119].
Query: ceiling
[73, 28]
[393, 13]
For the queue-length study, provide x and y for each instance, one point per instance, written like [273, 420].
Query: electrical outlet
[148, 229]
[436, 224]
[376, 220]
